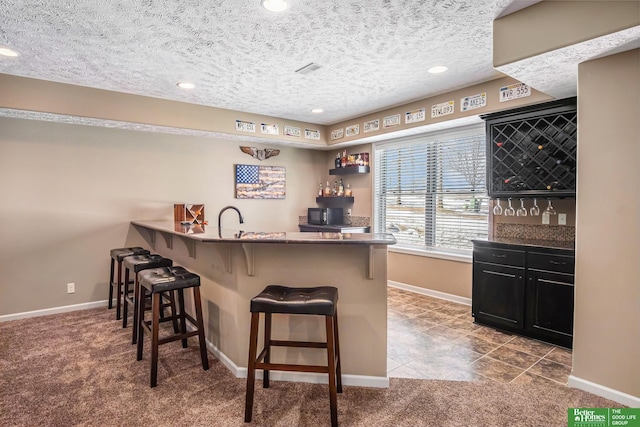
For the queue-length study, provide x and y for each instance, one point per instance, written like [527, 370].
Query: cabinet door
[549, 313]
[498, 295]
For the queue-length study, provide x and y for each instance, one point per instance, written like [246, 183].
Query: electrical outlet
[545, 218]
[562, 219]
[71, 288]
[348, 212]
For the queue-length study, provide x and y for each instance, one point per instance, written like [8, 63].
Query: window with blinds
[430, 189]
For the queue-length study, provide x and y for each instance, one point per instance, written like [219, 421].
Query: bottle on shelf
[514, 182]
[343, 159]
[338, 161]
[335, 188]
[341, 188]
[320, 190]
[327, 190]
[347, 191]
[555, 185]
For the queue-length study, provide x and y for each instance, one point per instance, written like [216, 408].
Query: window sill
[449, 256]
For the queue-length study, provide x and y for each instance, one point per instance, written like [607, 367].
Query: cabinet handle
[555, 282]
[499, 256]
[500, 274]
[557, 262]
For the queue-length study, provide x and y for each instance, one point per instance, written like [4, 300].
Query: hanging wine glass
[535, 210]
[550, 210]
[510, 211]
[497, 209]
[522, 211]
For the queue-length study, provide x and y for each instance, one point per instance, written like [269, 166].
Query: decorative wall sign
[391, 121]
[269, 129]
[514, 91]
[443, 109]
[242, 126]
[414, 116]
[258, 153]
[474, 101]
[292, 131]
[337, 133]
[260, 182]
[352, 130]
[371, 126]
[312, 134]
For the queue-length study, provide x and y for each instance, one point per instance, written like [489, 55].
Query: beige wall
[550, 25]
[69, 192]
[607, 292]
[27, 94]
[450, 277]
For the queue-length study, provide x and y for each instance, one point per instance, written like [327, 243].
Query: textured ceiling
[374, 53]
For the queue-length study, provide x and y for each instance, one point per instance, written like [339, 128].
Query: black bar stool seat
[275, 299]
[136, 264]
[117, 255]
[169, 279]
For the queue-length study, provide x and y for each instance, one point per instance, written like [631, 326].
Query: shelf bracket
[147, 234]
[191, 246]
[249, 256]
[168, 239]
[224, 249]
[370, 264]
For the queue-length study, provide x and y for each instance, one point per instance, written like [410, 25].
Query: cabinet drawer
[499, 256]
[551, 262]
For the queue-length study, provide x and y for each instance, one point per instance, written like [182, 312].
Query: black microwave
[325, 216]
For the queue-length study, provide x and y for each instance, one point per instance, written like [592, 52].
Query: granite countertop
[553, 244]
[208, 233]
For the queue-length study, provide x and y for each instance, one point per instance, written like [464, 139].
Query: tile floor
[430, 338]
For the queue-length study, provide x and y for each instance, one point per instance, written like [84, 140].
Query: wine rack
[192, 213]
[531, 151]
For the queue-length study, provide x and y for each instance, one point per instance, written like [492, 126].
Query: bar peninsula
[235, 265]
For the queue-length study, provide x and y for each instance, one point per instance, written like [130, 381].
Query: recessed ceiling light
[5, 51]
[437, 69]
[317, 110]
[274, 5]
[186, 85]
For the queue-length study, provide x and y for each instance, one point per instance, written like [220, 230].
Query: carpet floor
[79, 368]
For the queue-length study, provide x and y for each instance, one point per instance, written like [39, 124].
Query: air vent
[308, 68]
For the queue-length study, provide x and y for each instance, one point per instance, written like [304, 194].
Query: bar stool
[320, 301]
[117, 255]
[137, 263]
[169, 279]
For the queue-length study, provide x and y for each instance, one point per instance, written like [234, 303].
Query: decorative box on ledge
[192, 213]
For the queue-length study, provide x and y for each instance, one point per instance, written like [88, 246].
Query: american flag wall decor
[260, 182]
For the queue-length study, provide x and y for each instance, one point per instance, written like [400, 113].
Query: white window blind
[430, 189]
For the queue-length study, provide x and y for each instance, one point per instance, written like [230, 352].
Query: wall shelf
[334, 201]
[350, 170]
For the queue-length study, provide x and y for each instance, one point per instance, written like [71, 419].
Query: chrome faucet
[229, 207]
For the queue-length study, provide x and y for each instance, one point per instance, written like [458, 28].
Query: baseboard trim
[55, 310]
[430, 292]
[603, 391]
[302, 377]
